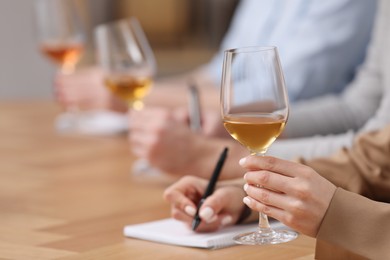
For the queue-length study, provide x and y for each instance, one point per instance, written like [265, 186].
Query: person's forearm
[172, 91]
[174, 96]
[310, 147]
[323, 116]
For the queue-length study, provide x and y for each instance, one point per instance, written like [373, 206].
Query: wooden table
[68, 197]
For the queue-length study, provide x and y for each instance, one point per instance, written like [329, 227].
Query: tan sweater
[354, 223]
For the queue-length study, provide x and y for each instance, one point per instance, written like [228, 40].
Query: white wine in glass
[127, 60]
[254, 107]
[61, 38]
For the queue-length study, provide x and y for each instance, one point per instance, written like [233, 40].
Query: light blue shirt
[320, 42]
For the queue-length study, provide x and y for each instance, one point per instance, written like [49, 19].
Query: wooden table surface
[69, 196]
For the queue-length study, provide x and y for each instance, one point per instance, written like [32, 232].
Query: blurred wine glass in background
[61, 38]
[127, 60]
[129, 67]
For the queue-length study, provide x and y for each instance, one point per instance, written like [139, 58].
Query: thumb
[214, 207]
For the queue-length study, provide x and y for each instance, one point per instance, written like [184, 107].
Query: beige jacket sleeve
[363, 169]
[355, 223]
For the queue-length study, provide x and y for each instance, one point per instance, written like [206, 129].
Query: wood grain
[69, 196]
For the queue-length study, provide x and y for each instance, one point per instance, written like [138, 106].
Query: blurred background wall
[183, 35]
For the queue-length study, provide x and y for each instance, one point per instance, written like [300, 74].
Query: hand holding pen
[222, 208]
[210, 187]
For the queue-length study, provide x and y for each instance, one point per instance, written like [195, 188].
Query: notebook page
[171, 231]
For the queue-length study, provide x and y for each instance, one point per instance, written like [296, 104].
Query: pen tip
[195, 224]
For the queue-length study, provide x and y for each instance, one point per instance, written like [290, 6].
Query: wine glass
[127, 60]
[254, 106]
[129, 67]
[61, 38]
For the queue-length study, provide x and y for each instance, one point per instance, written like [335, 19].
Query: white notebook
[171, 231]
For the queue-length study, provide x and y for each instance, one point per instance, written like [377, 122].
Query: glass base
[265, 238]
[67, 123]
[142, 167]
[92, 123]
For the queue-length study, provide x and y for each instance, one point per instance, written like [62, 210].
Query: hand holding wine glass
[61, 38]
[254, 108]
[60, 32]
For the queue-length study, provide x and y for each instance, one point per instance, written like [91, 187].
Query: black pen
[210, 187]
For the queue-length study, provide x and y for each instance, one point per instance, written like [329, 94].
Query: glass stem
[68, 69]
[264, 228]
[136, 105]
[73, 109]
